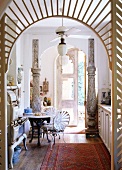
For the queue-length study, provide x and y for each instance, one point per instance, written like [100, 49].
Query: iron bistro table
[37, 121]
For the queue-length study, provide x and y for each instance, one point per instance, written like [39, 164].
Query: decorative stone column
[91, 94]
[36, 100]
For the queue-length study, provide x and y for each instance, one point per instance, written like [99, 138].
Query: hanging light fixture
[62, 48]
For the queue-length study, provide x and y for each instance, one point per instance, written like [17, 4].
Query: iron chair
[57, 126]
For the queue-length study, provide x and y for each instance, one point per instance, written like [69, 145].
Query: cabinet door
[107, 134]
[102, 125]
[100, 121]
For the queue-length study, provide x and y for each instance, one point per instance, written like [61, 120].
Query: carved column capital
[36, 71]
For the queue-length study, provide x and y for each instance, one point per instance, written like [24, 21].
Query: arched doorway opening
[57, 73]
[109, 49]
[71, 85]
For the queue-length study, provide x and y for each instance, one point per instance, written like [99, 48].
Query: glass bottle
[103, 98]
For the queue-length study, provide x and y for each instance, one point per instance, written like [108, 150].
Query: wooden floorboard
[32, 159]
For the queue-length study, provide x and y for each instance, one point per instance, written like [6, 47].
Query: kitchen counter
[105, 107]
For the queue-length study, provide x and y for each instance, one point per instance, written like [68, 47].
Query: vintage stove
[18, 126]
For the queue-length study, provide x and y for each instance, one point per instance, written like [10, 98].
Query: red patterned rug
[77, 156]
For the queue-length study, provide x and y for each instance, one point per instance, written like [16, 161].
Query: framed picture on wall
[45, 86]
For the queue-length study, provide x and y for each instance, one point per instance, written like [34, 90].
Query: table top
[33, 116]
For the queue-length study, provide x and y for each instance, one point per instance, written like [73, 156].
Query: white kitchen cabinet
[104, 125]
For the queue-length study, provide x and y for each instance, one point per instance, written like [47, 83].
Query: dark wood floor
[32, 159]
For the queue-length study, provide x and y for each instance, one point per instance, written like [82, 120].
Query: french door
[67, 89]
[71, 85]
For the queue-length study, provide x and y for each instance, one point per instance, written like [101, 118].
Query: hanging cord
[62, 21]
[61, 10]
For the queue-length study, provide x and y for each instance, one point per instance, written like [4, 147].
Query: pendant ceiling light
[62, 48]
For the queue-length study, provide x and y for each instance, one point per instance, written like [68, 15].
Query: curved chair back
[51, 112]
[61, 120]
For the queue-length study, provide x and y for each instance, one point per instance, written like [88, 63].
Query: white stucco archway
[113, 49]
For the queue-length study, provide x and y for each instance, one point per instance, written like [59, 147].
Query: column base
[92, 133]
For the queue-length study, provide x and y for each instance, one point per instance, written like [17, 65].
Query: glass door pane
[68, 89]
[81, 84]
[68, 68]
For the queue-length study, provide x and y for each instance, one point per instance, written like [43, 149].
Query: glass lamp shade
[62, 49]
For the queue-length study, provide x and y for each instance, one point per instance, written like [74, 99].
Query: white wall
[47, 69]
[103, 70]
[27, 65]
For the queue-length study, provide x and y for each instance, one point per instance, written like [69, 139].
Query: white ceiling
[56, 22]
[51, 24]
